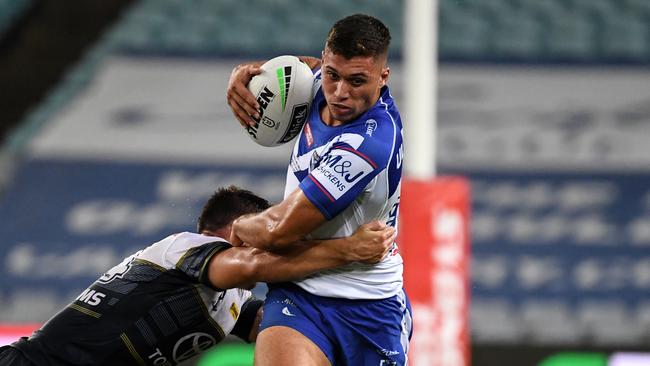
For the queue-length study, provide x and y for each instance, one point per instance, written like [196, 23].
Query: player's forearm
[279, 226]
[264, 231]
[243, 266]
[309, 258]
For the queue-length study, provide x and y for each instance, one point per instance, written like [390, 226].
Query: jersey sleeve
[194, 262]
[343, 173]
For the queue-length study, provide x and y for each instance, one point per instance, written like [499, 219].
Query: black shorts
[10, 356]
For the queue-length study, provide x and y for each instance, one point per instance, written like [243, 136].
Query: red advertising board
[10, 333]
[434, 242]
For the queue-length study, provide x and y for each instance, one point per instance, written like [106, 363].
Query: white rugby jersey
[157, 307]
[352, 174]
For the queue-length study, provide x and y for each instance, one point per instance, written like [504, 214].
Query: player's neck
[327, 117]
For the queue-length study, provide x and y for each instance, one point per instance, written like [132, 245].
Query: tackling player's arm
[243, 266]
[241, 101]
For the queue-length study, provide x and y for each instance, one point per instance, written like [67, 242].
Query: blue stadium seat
[517, 35]
[510, 30]
[463, 33]
[626, 37]
[569, 36]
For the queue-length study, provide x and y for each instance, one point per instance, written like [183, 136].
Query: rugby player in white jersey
[345, 169]
[168, 302]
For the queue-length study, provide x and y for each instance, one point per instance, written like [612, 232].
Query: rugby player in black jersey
[178, 297]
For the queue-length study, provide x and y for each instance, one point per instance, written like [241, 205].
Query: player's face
[351, 86]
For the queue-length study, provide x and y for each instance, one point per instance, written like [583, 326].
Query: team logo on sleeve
[340, 170]
[371, 126]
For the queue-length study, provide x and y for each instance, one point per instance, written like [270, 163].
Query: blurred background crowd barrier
[543, 104]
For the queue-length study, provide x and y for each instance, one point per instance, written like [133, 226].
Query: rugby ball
[284, 93]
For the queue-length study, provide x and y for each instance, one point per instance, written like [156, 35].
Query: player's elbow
[248, 273]
[233, 269]
[257, 269]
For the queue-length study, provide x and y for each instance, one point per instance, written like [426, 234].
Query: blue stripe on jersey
[301, 174]
[397, 156]
[357, 153]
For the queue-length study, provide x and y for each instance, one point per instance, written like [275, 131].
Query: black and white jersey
[157, 307]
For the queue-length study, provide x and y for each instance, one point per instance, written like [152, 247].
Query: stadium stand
[567, 31]
[470, 30]
[207, 27]
[524, 30]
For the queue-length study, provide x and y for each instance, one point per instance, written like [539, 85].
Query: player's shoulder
[169, 250]
[386, 107]
[376, 128]
[192, 239]
[382, 120]
[366, 143]
[378, 125]
[187, 240]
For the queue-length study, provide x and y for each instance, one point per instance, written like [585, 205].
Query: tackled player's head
[358, 35]
[225, 205]
[354, 67]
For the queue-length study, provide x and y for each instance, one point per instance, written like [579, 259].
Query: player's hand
[371, 242]
[241, 101]
[235, 241]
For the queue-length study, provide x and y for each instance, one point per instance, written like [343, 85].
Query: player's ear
[383, 77]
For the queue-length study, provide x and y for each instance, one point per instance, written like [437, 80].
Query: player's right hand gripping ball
[284, 93]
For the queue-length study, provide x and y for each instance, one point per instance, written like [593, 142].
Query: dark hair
[226, 204]
[358, 35]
